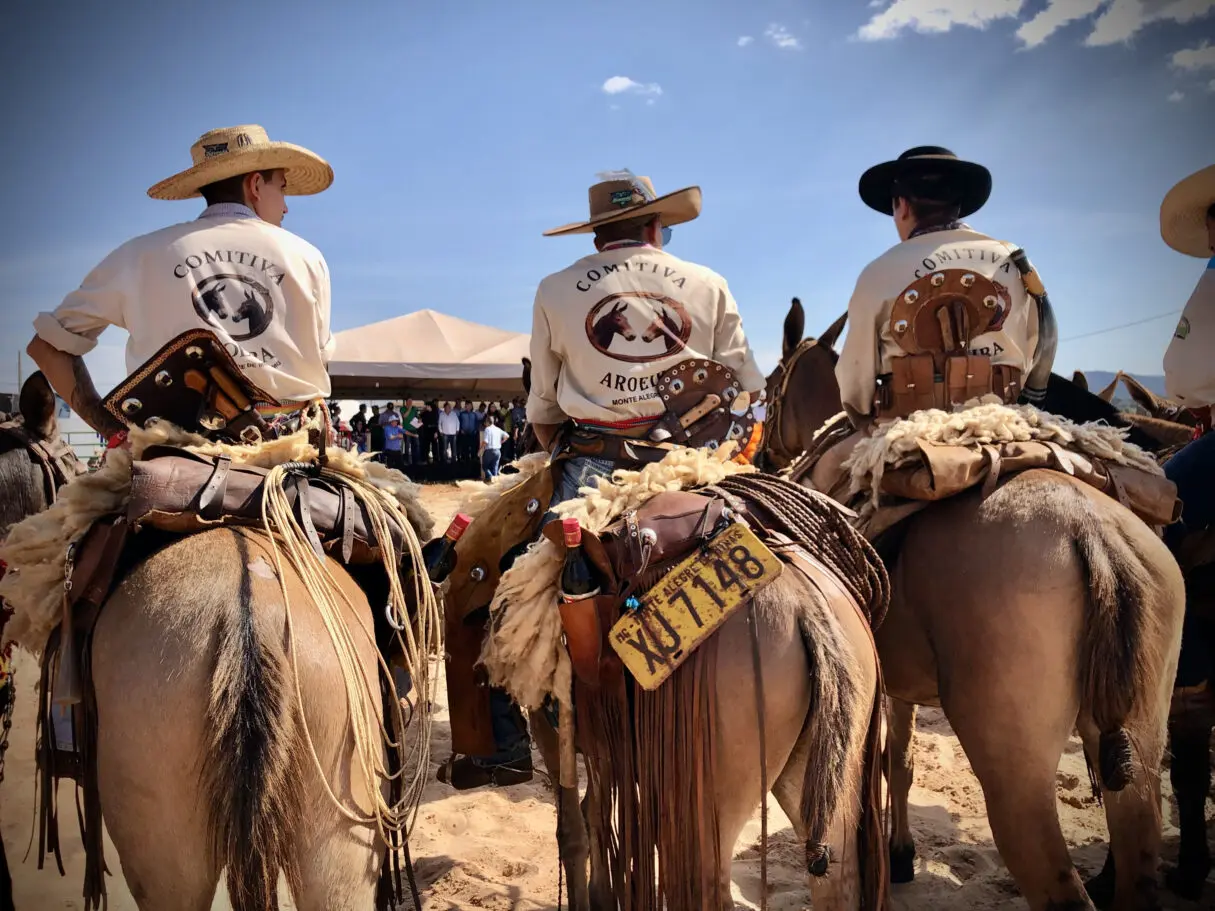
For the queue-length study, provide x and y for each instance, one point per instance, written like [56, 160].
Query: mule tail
[836, 755]
[1114, 659]
[247, 764]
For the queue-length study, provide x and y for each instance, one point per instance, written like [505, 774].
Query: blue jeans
[490, 459]
[576, 473]
[1191, 470]
[510, 734]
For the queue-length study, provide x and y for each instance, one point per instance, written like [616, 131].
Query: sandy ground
[495, 849]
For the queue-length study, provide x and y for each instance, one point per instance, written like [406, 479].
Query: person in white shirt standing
[1187, 224]
[234, 270]
[492, 438]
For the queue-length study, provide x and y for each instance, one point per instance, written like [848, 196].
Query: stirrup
[464, 773]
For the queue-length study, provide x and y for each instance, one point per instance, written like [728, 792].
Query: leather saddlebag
[912, 386]
[179, 491]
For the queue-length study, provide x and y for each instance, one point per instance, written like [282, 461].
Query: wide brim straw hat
[1183, 214]
[231, 151]
[624, 195]
[967, 182]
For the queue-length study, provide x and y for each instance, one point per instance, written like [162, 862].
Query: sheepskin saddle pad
[933, 454]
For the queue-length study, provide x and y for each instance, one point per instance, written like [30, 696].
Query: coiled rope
[419, 639]
[816, 523]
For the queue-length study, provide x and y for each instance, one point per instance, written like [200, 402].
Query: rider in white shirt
[234, 270]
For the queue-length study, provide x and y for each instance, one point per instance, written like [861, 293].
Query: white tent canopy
[428, 352]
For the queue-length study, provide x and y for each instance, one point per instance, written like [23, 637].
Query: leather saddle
[630, 556]
[180, 491]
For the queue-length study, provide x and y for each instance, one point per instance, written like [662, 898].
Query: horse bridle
[772, 442]
[56, 458]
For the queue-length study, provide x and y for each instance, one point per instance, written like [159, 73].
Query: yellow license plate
[691, 601]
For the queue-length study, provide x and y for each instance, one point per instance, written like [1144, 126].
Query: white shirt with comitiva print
[261, 289]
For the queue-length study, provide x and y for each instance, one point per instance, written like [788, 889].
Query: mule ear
[1079, 379]
[795, 328]
[1143, 396]
[831, 336]
[37, 405]
[527, 375]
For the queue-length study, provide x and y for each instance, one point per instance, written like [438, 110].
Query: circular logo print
[638, 327]
[241, 306]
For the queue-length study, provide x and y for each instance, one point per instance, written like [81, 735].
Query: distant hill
[1099, 379]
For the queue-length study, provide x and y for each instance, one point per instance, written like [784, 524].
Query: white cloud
[1057, 14]
[620, 84]
[1195, 58]
[1123, 18]
[782, 37]
[936, 16]
[745, 40]
[1116, 21]
[1176, 97]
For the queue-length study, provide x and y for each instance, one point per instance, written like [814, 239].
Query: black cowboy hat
[968, 183]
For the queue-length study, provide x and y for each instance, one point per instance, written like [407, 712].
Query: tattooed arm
[69, 377]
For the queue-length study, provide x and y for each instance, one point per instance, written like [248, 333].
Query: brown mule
[793, 688]
[1044, 608]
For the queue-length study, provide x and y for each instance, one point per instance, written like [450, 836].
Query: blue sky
[459, 131]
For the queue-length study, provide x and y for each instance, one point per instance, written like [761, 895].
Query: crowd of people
[479, 437]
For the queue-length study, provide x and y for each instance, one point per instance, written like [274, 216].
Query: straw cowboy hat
[624, 195]
[1183, 214]
[970, 183]
[230, 151]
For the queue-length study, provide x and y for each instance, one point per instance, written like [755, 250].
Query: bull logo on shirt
[239, 306]
[638, 327]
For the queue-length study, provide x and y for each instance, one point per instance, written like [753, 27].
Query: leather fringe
[81, 766]
[651, 765]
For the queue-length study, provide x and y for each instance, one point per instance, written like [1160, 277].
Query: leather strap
[346, 522]
[304, 513]
[211, 498]
[993, 470]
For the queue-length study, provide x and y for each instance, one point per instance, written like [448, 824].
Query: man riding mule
[208, 604]
[1187, 223]
[211, 273]
[593, 367]
[944, 316]
[769, 684]
[1026, 600]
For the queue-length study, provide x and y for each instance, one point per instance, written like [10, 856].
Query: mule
[203, 765]
[790, 742]
[24, 491]
[1045, 608]
[793, 738]
[224, 736]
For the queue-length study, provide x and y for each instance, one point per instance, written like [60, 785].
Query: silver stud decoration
[938, 279]
[164, 378]
[213, 420]
[194, 352]
[130, 406]
[477, 573]
[911, 296]
[532, 505]
[990, 302]
[900, 326]
[968, 280]
[700, 375]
